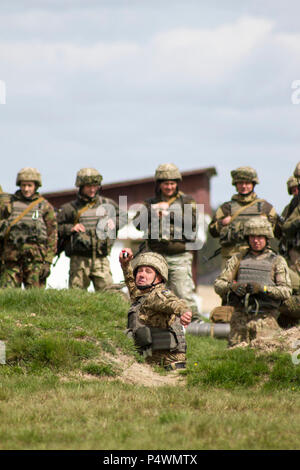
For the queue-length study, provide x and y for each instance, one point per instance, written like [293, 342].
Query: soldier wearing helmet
[255, 284]
[87, 228]
[156, 317]
[290, 243]
[228, 222]
[28, 233]
[166, 232]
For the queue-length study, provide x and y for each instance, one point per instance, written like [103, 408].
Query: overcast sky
[124, 85]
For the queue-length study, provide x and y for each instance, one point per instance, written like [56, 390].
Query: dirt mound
[143, 374]
[130, 372]
[285, 341]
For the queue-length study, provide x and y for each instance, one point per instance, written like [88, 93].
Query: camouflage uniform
[290, 243]
[241, 208]
[29, 244]
[290, 248]
[157, 308]
[170, 241]
[88, 250]
[255, 315]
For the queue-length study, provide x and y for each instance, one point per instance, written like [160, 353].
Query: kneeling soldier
[255, 284]
[157, 318]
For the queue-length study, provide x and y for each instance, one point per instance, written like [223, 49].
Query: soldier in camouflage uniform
[87, 228]
[157, 318]
[228, 222]
[290, 248]
[255, 283]
[172, 240]
[291, 225]
[28, 233]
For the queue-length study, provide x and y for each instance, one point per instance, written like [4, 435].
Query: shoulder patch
[166, 292]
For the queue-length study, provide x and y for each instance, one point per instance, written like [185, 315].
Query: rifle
[216, 253]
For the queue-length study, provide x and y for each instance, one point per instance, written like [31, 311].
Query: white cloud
[207, 54]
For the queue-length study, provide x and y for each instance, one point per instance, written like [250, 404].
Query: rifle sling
[83, 210]
[238, 212]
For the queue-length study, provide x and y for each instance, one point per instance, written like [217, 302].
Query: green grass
[61, 388]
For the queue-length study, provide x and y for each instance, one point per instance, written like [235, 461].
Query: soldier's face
[27, 188]
[257, 242]
[90, 190]
[294, 190]
[244, 187]
[168, 188]
[145, 275]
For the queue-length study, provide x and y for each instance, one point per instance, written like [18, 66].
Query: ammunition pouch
[142, 337]
[156, 338]
[85, 243]
[222, 314]
[148, 337]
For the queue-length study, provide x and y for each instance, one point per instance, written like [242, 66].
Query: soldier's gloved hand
[238, 288]
[45, 271]
[255, 288]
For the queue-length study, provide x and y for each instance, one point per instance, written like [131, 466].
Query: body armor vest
[87, 243]
[29, 229]
[234, 233]
[168, 234]
[253, 270]
[152, 338]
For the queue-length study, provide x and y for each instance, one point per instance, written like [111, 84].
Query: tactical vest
[148, 338]
[31, 228]
[87, 243]
[234, 233]
[168, 235]
[254, 270]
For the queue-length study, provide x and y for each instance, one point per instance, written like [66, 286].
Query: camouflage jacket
[279, 288]
[159, 307]
[232, 233]
[291, 224]
[169, 238]
[290, 235]
[92, 241]
[34, 236]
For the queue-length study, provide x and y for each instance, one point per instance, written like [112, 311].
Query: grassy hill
[72, 380]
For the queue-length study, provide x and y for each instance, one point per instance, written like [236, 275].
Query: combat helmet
[297, 171]
[29, 174]
[291, 183]
[244, 173]
[167, 171]
[88, 176]
[155, 260]
[258, 226]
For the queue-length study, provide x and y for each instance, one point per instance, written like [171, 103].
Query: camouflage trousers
[246, 328]
[165, 358]
[28, 273]
[180, 279]
[84, 270]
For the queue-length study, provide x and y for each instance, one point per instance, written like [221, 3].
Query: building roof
[211, 171]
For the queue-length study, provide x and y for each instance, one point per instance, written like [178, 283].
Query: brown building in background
[195, 183]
